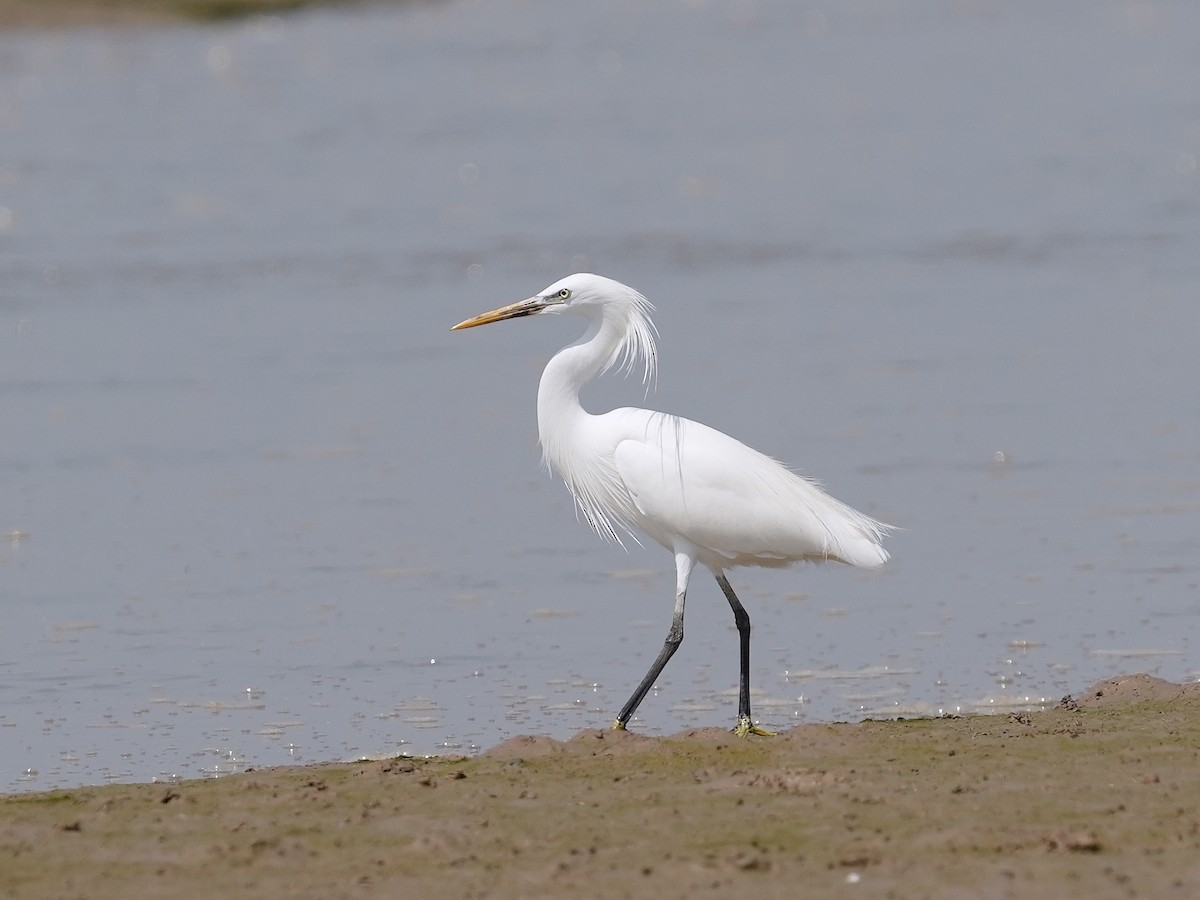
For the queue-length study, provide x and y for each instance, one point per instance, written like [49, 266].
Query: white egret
[704, 496]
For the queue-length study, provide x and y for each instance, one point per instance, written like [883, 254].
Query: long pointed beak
[512, 311]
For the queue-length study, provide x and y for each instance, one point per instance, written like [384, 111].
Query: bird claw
[745, 728]
[618, 725]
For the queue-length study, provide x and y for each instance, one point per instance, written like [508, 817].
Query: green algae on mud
[1097, 798]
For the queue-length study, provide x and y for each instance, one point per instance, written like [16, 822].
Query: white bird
[703, 495]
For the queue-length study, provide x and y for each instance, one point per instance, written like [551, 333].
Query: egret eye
[564, 294]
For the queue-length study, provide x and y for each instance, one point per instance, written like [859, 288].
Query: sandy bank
[1097, 798]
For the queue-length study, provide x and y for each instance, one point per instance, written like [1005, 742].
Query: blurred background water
[259, 505]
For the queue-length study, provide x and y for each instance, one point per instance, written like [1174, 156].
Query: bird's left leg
[745, 724]
[684, 562]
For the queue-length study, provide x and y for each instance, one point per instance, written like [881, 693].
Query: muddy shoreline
[89, 13]
[1098, 797]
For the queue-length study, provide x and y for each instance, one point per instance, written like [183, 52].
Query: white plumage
[703, 495]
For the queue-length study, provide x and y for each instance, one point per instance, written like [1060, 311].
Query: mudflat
[1099, 798]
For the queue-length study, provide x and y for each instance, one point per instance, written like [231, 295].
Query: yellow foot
[618, 725]
[745, 727]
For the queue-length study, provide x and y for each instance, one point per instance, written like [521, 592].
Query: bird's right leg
[741, 618]
[684, 562]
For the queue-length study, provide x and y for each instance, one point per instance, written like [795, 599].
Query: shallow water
[260, 505]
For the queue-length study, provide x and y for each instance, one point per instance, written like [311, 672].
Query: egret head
[589, 295]
[606, 303]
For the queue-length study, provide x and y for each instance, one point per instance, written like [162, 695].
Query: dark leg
[683, 570]
[674, 639]
[741, 618]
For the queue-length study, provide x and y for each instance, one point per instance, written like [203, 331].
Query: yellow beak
[512, 311]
